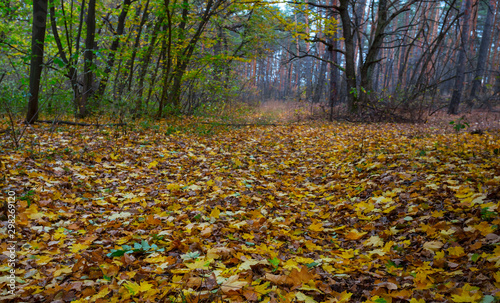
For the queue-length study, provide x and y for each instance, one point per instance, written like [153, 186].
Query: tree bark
[461, 60]
[88, 56]
[482, 55]
[36, 65]
[350, 67]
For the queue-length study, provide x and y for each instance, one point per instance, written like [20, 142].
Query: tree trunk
[88, 56]
[131, 61]
[334, 75]
[350, 67]
[144, 67]
[321, 80]
[114, 46]
[37, 44]
[482, 55]
[72, 72]
[461, 60]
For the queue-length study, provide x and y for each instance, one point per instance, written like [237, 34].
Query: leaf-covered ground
[299, 213]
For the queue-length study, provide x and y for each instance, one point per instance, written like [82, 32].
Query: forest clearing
[304, 212]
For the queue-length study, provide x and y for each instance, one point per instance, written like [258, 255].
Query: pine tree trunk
[461, 61]
[482, 55]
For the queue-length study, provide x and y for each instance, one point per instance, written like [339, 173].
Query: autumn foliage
[293, 213]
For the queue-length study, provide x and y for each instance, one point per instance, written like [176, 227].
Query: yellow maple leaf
[173, 186]
[262, 289]
[233, 284]
[42, 260]
[78, 246]
[302, 297]
[433, 245]
[413, 300]
[101, 294]
[467, 293]
[156, 259]
[484, 228]
[354, 234]
[497, 276]
[114, 157]
[348, 254]
[343, 297]
[133, 287]
[153, 164]
[215, 213]
[33, 213]
[439, 255]
[145, 286]
[374, 241]
[64, 270]
[456, 251]
[318, 226]
[200, 263]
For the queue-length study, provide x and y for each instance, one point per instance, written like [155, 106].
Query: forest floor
[183, 211]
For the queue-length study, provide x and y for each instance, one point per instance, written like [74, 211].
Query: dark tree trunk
[320, 85]
[130, 63]
[350, 67]
[334, 75]
[461, 61]
[37, 44]
[88, 56]
[482, 55]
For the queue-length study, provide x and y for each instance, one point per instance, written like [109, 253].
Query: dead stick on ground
[79, 123]
[238, 124]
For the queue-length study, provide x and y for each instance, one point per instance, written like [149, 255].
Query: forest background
[396, 60]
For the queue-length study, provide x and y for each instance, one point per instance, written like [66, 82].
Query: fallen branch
[79, 123]
[238, 124]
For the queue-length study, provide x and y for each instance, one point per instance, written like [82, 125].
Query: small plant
[140, 248]
[28, 197]
[488, 215]
[458, 125]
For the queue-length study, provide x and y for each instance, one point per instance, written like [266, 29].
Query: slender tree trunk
[482, 55]
[131, 61]
[88, 55]
[350, 67]
[72, 72]
[320, 85]
[144, 67]
[461, 61]
[334, 75]
[37, 45]
[114, 46]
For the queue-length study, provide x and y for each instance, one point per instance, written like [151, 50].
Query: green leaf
[59, 62]
[311, 265]
[274, 262]
[190, 255]
[475, 257]
[117, 253]
[487, 299]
